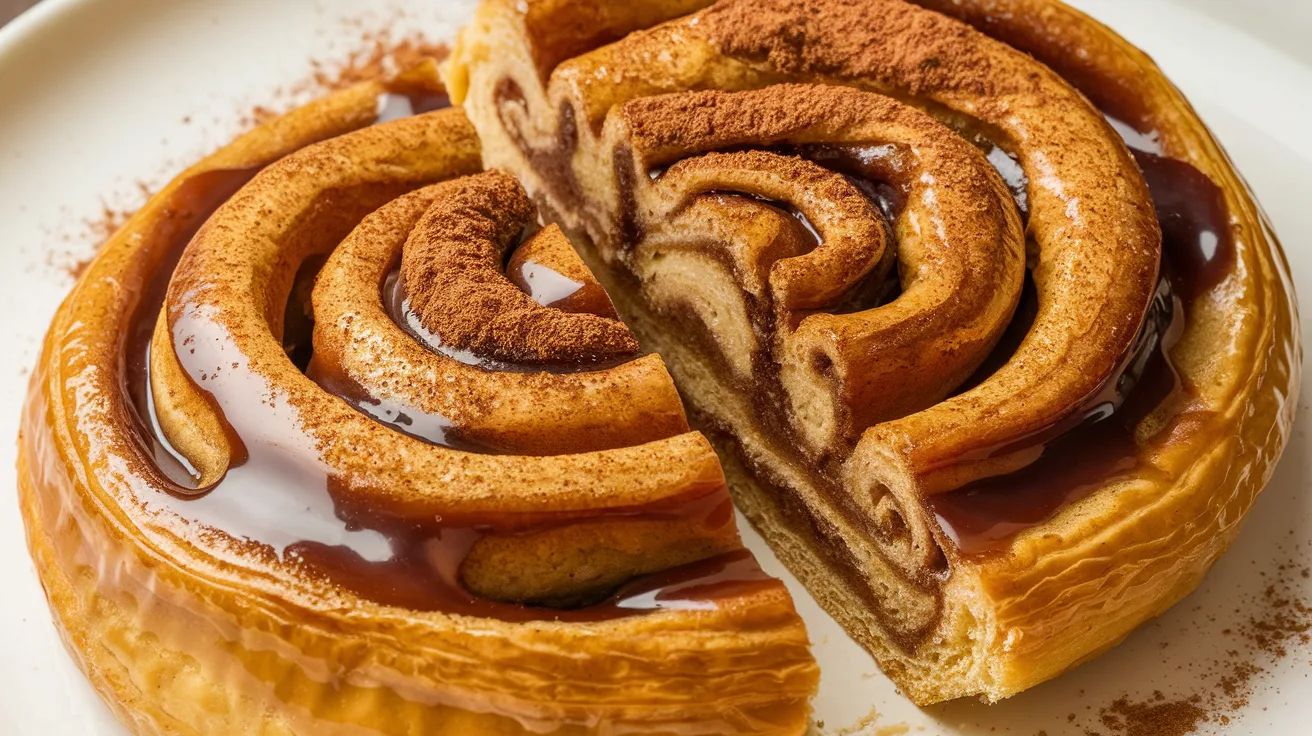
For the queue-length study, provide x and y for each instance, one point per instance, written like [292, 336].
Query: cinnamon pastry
[996, 344]
[304, 455]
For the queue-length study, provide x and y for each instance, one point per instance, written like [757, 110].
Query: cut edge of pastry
[1053, 596]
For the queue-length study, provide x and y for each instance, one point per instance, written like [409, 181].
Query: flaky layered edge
[1068, 589]
[187, 633]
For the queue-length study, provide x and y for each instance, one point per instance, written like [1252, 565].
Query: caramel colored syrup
[423, 573]
[279, 499]
[1098, 445]
[191, 205]
[393, 106]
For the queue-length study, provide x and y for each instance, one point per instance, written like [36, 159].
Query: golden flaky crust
[929, 512]
[232, 546]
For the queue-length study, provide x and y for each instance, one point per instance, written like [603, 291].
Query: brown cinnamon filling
[828, 543]
[553, 163]
[1097, 443]
[868, 170]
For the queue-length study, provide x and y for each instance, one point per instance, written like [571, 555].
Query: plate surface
[100, 98]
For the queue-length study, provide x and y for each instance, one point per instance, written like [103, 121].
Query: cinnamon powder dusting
[98, 230]
[1157, 717]
[451, 266]
[914, 50]
[1280, 621]
[379, 55]
[383, 57]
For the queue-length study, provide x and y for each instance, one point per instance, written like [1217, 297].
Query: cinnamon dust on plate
[1278, 625]
[96, 230]
[379, 54]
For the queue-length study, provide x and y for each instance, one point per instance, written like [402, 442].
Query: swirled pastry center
[938, 269]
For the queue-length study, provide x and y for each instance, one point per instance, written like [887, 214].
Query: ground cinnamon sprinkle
[1281, 619]
[380, 54]
[1158, 717]
[383, 57]
[98, 230]
[452, 269]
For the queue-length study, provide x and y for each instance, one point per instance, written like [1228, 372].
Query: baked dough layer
[294, 595]
[671, 140]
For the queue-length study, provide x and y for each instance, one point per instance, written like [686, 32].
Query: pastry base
[987, 643]
[88, 621]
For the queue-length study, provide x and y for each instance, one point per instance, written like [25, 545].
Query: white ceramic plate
[99, 95]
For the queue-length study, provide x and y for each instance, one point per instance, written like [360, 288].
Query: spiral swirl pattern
[343, 431]
[438, 524]
[972, 318]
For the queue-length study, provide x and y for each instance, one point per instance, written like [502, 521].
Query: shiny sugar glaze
[1098, 445]
[418, 567]
[277, 499]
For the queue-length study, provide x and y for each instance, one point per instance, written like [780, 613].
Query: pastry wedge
[997, 382]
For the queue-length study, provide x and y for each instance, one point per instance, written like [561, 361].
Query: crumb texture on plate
[996, 345]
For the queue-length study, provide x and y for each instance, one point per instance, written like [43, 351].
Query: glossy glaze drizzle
[279, 500]
[1100, 446]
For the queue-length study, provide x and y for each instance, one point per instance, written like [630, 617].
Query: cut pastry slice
[981, 374]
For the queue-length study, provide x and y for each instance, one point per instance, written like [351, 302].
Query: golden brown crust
[562, 29]
[946, 614]
[289, 595]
